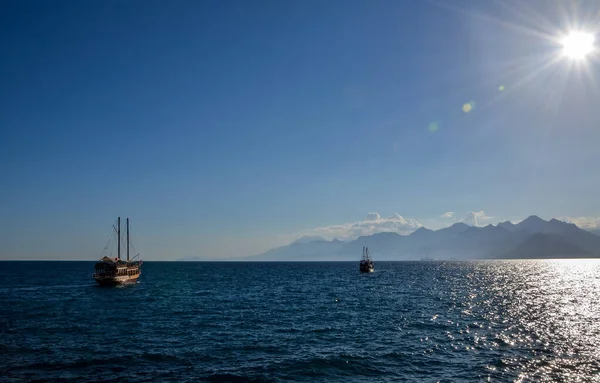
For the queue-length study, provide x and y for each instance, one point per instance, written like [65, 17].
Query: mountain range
[531, 238]
[597, 232]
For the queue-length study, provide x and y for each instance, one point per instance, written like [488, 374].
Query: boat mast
[127, 239]
[119, 238]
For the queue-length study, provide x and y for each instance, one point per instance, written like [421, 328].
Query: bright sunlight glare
[577, 45]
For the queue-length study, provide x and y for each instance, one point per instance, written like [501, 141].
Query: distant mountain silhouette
[507, 225]
[457, 228]
[569, 231]
[381, 245]
[310, 238]
[532, 224]
[530, 238]
[319, 250]
[596, 232]
[541, 245]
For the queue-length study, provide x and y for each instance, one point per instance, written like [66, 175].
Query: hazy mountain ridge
[596, 232]
[547, 246]
[530, 239]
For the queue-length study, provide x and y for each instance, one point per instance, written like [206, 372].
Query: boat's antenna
[127, 239]
[119, 238]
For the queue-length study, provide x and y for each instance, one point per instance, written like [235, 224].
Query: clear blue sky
[223, 128]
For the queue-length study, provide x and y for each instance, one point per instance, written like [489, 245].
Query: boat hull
[117, 280]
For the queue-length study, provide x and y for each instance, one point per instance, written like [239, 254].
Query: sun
[577, 45]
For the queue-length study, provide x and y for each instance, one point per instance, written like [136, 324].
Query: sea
[498, 321]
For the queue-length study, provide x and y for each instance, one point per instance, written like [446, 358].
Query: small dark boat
[366, 263]
[115, 271]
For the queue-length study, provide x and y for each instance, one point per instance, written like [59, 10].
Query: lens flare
[469, 106]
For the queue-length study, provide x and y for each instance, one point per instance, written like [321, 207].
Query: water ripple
[507, 321]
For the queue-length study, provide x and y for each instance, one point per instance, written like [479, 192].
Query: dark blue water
[409, 321]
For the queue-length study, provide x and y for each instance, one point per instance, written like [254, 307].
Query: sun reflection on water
[541, 316]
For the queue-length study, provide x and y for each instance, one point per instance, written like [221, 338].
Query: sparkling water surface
[499, 321]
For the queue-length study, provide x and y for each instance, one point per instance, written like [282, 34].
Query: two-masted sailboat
[115, 271]
[366, 263]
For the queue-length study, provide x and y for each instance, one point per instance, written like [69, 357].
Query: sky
[225, 128]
